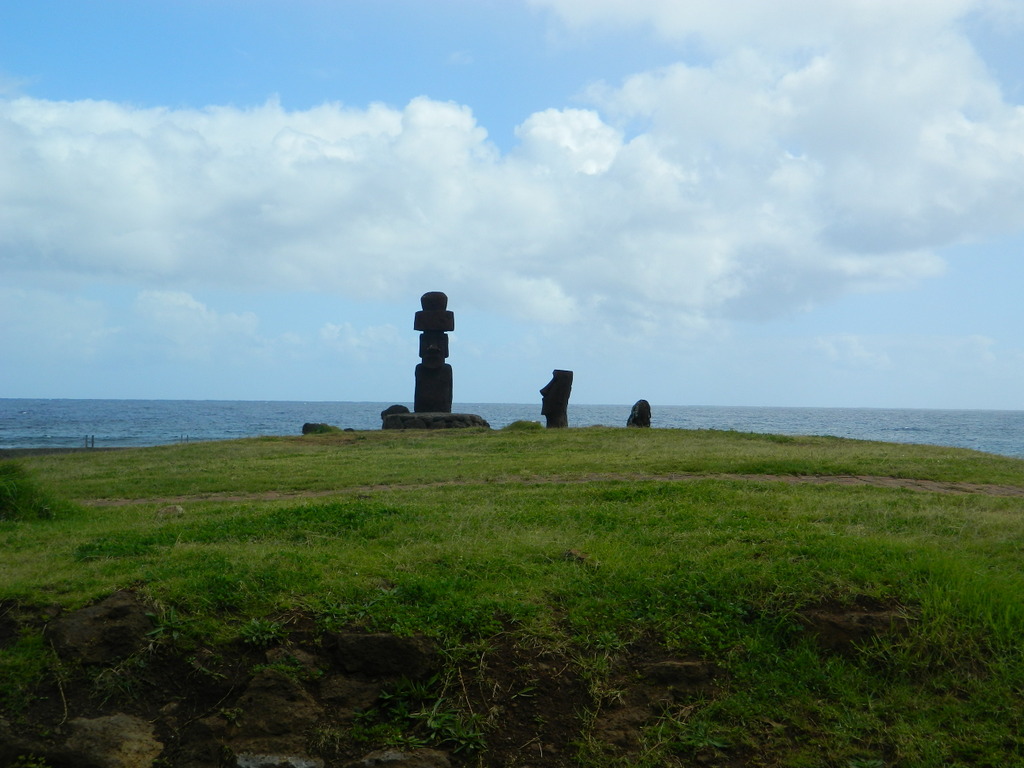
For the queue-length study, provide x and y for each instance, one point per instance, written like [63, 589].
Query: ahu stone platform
[433, 420]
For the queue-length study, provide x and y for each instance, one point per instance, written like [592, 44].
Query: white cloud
[854, 351]
[834, 152]
[576, 138]
[40, 324]
[928, 355]
[365, 343]
[195, 331]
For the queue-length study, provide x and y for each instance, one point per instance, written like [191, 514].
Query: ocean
[46, 423]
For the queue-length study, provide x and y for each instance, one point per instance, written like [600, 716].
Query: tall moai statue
[555, 399]
[434, 375]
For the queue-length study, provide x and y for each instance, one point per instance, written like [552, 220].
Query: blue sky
[795, 203]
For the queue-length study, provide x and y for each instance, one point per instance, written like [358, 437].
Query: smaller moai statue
[555, 399]
[434, 375]
[640, 415]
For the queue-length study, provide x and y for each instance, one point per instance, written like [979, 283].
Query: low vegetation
[845, 604]
[21, 498]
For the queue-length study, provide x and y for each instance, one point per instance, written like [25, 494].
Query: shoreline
[15, 453]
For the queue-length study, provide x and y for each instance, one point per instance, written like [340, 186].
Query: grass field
[722, 547]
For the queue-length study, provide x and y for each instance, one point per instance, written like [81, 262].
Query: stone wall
[433, 421]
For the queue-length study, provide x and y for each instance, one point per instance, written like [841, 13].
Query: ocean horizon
[35, 423]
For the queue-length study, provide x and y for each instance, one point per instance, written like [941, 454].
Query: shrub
[311, 428]
[262, 633]
[523, 426]
[20, 497]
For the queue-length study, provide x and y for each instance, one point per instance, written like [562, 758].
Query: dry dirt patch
[911, 484]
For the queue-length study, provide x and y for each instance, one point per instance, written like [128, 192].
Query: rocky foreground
[124, 695]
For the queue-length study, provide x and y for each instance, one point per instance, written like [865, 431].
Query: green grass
[21, 498]
[327, 462]
[463, 535]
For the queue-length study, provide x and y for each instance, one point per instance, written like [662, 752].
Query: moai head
[433, 348]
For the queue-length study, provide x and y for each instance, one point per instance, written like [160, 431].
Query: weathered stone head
[433, 348]
[640, 415]
[555, 398]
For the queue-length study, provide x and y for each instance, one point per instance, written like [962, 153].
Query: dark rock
[273, 760]
[116, 741]
[392, 409]
[555, 399]
[640, 415]
[110, 630]
[436, 420]
[395, 758]
[171, 510]
[349, 694]
[13, 747]
[274, 705]
[384, 655]
[197, 746]
[268, 723]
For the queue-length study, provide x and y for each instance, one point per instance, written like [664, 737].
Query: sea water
[46, 423]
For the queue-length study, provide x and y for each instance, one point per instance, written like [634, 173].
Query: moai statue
[640, 416]
[434, 375]
[555, 399]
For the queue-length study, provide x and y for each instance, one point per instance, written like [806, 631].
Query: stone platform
[433, 421]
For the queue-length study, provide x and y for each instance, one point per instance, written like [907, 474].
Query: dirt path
[926, 486]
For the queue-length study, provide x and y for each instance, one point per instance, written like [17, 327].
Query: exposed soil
[123, 696]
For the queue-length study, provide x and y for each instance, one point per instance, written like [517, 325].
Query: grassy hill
[605, 597]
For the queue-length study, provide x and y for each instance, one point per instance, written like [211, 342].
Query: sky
[716, 202]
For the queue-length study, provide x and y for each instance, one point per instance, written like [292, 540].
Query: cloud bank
[837, 153]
